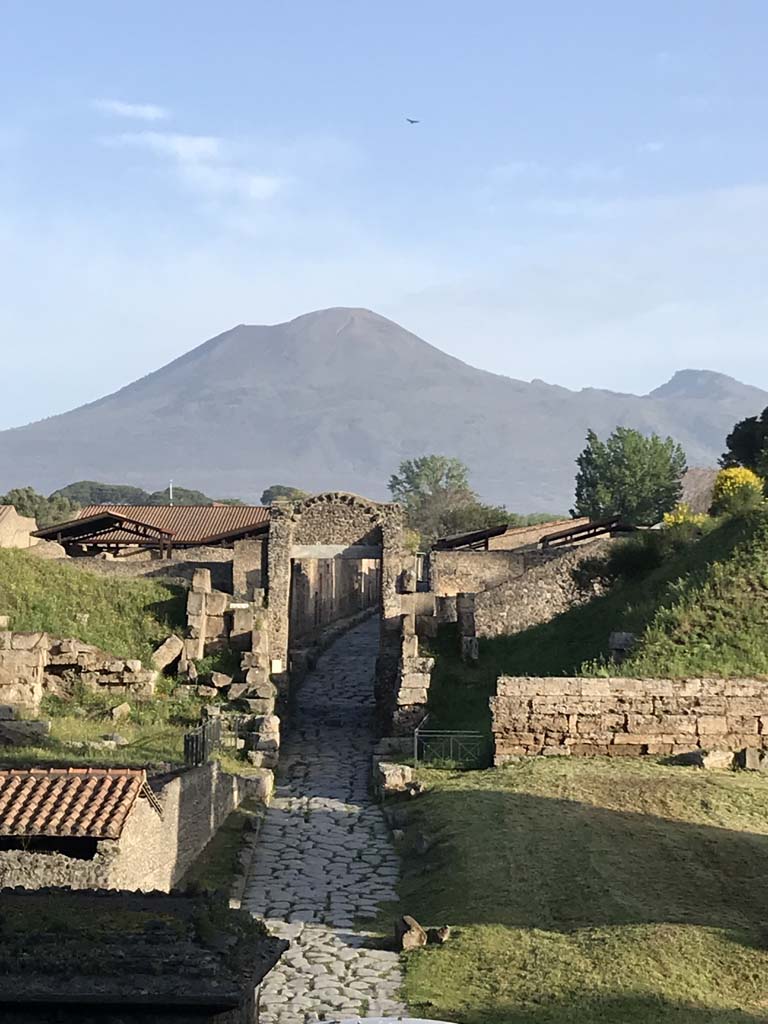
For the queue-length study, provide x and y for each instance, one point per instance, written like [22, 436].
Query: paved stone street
[324, 859]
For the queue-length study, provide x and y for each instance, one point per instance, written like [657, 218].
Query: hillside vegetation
[702, 612]
[590, 890]
[125, 617]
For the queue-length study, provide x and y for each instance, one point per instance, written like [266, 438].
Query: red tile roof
[189, 524]
[91, 802]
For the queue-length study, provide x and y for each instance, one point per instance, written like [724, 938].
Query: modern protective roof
[72, 802]
[151, 524]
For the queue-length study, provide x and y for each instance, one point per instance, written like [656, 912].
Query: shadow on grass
[519, 860]
[581, 1009]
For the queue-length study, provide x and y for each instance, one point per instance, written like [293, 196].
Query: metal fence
[460, 747]
[201, 742]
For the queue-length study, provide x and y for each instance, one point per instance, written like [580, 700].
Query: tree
[47, 511]
[747, 445]
[282, 492]
[636, 477]
[438, 499]
[737, 490]
[91, 492]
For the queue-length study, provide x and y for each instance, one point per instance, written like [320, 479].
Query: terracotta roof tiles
[189, 524]
[90, 802]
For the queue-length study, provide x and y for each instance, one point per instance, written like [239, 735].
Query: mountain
[335, 400]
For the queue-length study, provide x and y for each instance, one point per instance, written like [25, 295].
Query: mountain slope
[336, 399]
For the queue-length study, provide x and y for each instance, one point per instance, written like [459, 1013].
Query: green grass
[125, 617]
[154, 731]
[590, 890]
[703, 612]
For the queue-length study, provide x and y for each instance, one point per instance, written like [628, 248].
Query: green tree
[438, 499]
[47, 511]
[636, 477]
[181, 496]
[91, 492]
[282, 492]
[747, 445]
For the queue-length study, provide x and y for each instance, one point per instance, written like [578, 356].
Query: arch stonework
[343, 520]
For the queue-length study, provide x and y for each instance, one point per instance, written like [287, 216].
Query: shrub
[737, 490]
[682, 515]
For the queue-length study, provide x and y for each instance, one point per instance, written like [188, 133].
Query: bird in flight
[412, 120]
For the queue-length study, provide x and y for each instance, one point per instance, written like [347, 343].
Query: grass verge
[587, 890]
[127, 618]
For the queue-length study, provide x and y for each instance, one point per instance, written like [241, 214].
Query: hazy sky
[585, 199]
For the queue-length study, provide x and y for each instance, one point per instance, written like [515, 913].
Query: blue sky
[584, 200]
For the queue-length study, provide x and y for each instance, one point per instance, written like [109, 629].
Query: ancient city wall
[153, 852]
[542, 592]
[458, 572]
[623, 717]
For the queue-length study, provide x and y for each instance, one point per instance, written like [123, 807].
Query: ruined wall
[153, 852]
[179, 569]
[15, 530]
[457, 572]
[414, 674]
[326, 590]
[248, 567]
[33, 664]
[538, 595]
[332, 519]
[620, 717]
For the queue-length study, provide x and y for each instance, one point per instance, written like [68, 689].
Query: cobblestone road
[324, 859]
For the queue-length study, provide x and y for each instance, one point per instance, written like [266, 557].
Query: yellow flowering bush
[681, 515]
[737, 489]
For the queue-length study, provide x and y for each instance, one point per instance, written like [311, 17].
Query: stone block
[201, 581]
[255, 705]
[220, 680]
[261, 784]
[237, 690]
[711, 725]
[216, 603]
[215, 627]
[717, 759]
[170, 650]
[392, 778]
[5, 621]
[426, 626]
[121, 711]
[5, 639]
[409, 647]
[29, 641]
[627, 750]
[196, 603]
[263, 758]
[206, 691]
[262, 686]
[133, 665]
[408, 695]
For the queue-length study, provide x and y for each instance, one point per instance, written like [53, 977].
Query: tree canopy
[438, 499]
[282, 492]
[636, 477]
[747, 445]
[47, 511]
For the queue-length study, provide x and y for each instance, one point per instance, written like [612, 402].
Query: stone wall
[456, 572]
[335, 519]
[623, 717]
[180, 568]
[34, 664]
[248, 567]
[414, 674]
[542, 592]
[327, 590]
[153, 852]
[15, 530]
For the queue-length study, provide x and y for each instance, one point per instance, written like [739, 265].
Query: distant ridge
[335, 399]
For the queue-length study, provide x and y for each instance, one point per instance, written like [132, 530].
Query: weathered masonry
[624, 717]
[338, 527]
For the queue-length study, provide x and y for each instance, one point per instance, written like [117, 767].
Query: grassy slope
[592, 891]
[125, 617]
[705, 612]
